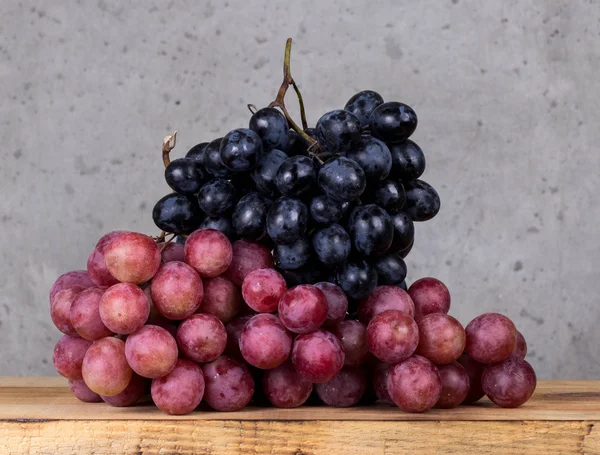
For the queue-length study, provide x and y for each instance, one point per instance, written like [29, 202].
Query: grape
[60, 308]
[510, 383]
[293, 255]
[455, 385]
[402, 285]
[325, 210]
[262, 290]
[196, 152]
[264, 342]
[491, 338]
[104, 368]
[201, 338]
[272, 128]
[422, 201]
[211, 160]
[285, 388]
[229, 384]
[234, 330]
[266, 170]
[221, 298]
[408, 160]
[342, 179]
[246, 257]
[332, 244]
[240, 149]
[177, 213]
[385, 298]
[68, 356]
[390, 195]
[287, 220]
[250, 216]
[474, 371]
[415, 384]
[429, 295]
[209, 252]
[184, 176]
[222, 223]
[337, 303]
[296, 177]
[404, 233]
[132, 257]
[83, 392]
[85, 315]
[343, 390]
[96, 265]
[317, 356]
[135, 390]
[380, 375]
[177, 290]
[393, 122]
[373, 156]
[441, 338]
[363, 104]
[124, 308]
[180, 391]
[352, 335]
[216, 197]
[371, 230]
[69, 279]
[357, 278]
[403, 253]
[151, 351]
[172, 252]
[390, 268]
[309, 273]
[520, 347]
[338, 131]
[392, 336]
[303, 308]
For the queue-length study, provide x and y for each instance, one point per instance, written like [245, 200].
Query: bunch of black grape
[334, 203]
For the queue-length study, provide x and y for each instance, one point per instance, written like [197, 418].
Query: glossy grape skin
[371, 230]
[180, 391]
[390, 195]
[96, 265]
[441, 338]
[404, 232]
[85, 315]
[520, 347]
[390, 268]
[151, 351]
[317, 356]
[240, 149]
[60, 308]
[303, 308]
[124, 308]
[265, 172]
[201, 338]
[337, 303]
[82, 392]
[177, 290]
[338, 131]
[209, 252]
[211, 160]
[221, 223]
[475, 372]
[135, 390]
[362, 105]
[429, 295]
[262, 289]
[196, 152]
[70, 279]
[246, 257]
[352, 334]
[68, 356]
[357, 278]
[491, 338]
[384, 298]
[132, 257]
[272, 127]
[296, 177]
[216, 197]
[408, 160]
[332, 244]
[325, 210]
[415, 384]
[455, 385]
[380, 375]
[373, 156]
[229, 384]
[343, 390]
[293, 255]
[287, 220]
[422, 201]
[342, 179]
[285, 388]
[105, 369]
[392, 336]
[177, 213]
[393, 122]
[250, 216]
[264, 342]
[184, 176]
[221, 298]
[510, 383]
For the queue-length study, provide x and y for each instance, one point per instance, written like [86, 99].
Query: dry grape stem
[168, 144]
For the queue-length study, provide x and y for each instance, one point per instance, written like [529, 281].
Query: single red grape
[352, 334]
[221, 298]
[172, 252]
[491, 338]
[60, 308]
[520, 347]
[137, 388]
[303, 308]
[208, 251]
[248, 256]
[124, 308]
[318, 356]
[414, 384]
[82, 392]
[455, 385]
[104, 368]
[201, 338]
[177, 290]
[441, 338]
[392, 336]
[510, 383]
[380, 375]
[285, 388]
[151, 351]
[429, 295]
[68, 356]
[264, 341]
[337, 303]
[69, 279]
[344, 390]
[262, 289]
[180, 391]
[475, 372]
[385, 298]
[132, 257]
[85, 314]
[229, 384]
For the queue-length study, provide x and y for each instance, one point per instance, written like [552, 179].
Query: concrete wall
[507, 95]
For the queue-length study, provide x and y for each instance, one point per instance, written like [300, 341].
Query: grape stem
[168, 144]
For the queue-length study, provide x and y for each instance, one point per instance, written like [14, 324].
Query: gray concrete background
[507, 96]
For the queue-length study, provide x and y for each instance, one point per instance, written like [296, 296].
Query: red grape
[392, 336]
[177, 290]
[229, 384]
[60, 308]
[380, 375]
[132, 257]
[520, 346]
[69, 279]
[208, 251]
[318, 356]
[221, 298]
[85, 315]
[96, 265]
[385, 298]
[414, 384]
[344, 390]
[234, 330]
[455, 385]
[262, 289]
[172, 252]
[151, 351]
[285, 388]
[303, 308]
[510, 383]
[441, 338]
[137, 388]
[337, 303]
[352, 334]
[264, 342]
[429, 295]
[474, 371]
[68, 356]
[180, 391]
[124, 308]
[201, 338]
[247, 256]
[491, 338]
[104, 368]
[83, 392]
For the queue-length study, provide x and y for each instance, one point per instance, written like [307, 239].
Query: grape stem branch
[168, 144]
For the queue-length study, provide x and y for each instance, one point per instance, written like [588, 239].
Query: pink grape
[475, 372]
[201, 338]
[303, 308]
[85, 314]
[520, 347]
[69, 279]
[151, 351]
[96, 265]
[264, 342]
[385, 298]
[172, 252]
[344, 390]
[234, 330]
[60, 308]
[229, 384]
[380, 375]
[221, 298]
[392, 336]
[491, 338]
[136, 389]
[414, 384]
[337, 303]
[177, 290]
[68, 356]
[455, 385]
[318, 356]
[124, 308]
[441, 338]
[247, 256]
[285, 388]
[510, 383]
[82, 392]
[132, 257]
[180, 391]
[353, 334]
[208, 251]
[429, 295]
[262, 289]
[104, 368]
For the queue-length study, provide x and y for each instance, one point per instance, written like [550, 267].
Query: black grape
[196, 152]
[250, 215]
[402, 285]
[338, 131]
[216, 197]
[177, 213]
[408, 160]
[371, 230]
[357, 278]
[184, 175]
[310, 273]
[422, 201]
[272, 127]
[342, 179]
[266, 170]
[325, 210]
[211, 159]
[373, 156]
[222, 223]
[404, 252]
[393, 122]
[296, 177]
[294, 255]
[390, 195]
[363, 104]
[240, 149]
[404, 231]
[332, 244]
[390, 268]
[287, 220]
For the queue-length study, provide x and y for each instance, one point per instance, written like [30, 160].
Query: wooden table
[39, 416]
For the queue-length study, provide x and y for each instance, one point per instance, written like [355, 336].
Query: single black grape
[211, 160]
[332, 244]
[296, 177]
[357, 278]
[363, 104]
[266, 170]
[325, 210]
[404, 252]
[342, 179]
[177, 213]
[216, 197]
[196, 152]
[240, 149]
[250, 216]
[294, 255]
[220, 223]
[338, 131]
[422, 201]
[408, 160]
[287, 220]
[272, 127]
[390, 195]
[390, 268]
[393, 122]
[404, 231]
[371, 230]
[184, 176]
[373, 156]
